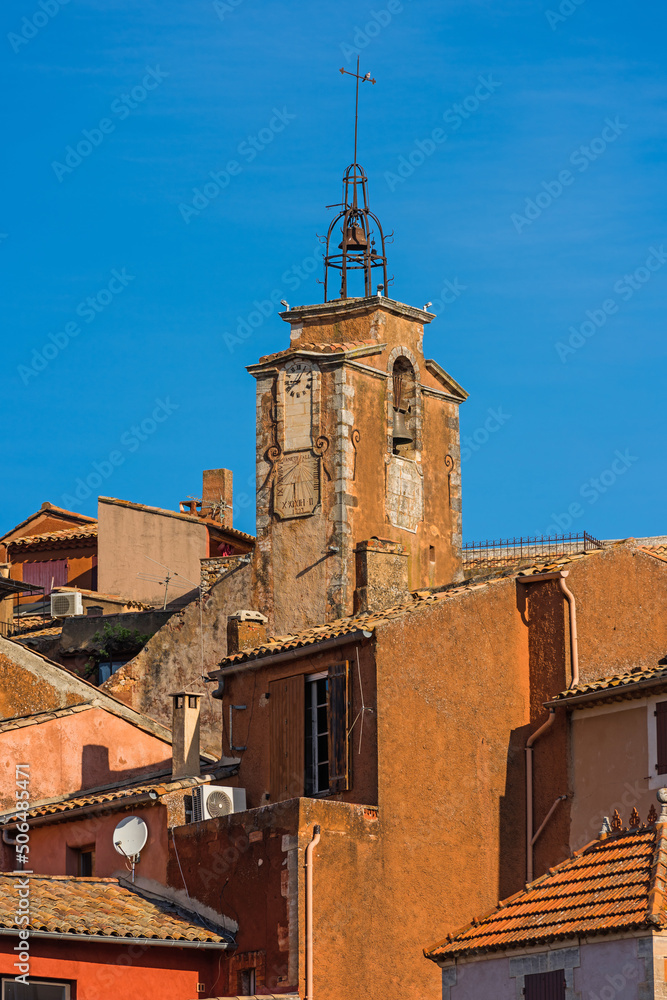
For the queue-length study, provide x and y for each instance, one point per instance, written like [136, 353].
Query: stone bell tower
[358, 467]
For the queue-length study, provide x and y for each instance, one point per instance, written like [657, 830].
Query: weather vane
[364, 79]
[355, 221]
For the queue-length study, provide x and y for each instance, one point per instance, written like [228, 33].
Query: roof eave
[280, 656]
[114, 939]
[616, 693]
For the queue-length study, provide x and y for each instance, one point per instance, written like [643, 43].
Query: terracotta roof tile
[616, 883]
[155, 788]
[84, 532]
[104, 907]
[615, 686]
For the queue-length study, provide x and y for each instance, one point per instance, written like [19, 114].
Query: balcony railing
[496, 553]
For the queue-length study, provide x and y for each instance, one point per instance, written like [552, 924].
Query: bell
[356, 239]
[401, 433]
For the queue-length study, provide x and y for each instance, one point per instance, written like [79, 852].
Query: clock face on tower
[298, 379]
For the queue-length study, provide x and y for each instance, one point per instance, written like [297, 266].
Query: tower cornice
[354, 307]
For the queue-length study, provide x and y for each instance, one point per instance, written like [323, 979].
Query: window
[81, 861]
[317, 735]
[86, 861]
[37, 989]
[661, 736]
[545, 986]
[309, 745]
[107, 668]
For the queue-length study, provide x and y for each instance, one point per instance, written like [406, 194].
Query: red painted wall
[126, 972]
[53, 846]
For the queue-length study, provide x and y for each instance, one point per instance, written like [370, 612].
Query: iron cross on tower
[355, 221]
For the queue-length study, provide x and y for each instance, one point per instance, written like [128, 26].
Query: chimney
[217, 495]
[185, 734]
[382, 574]
[245, 629]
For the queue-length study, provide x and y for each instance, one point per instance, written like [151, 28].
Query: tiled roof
[342, 348]
[48, 508]
[368, 621]
[616, 686]
[655, 550]
[129, 790]
[98, 595]
[86, 532]
[103, 908]
[617, 883]
[26, 635]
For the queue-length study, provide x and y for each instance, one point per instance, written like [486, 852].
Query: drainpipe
[569, 596]
[574, 659]
[309, 911]
[574, 641]
[530, 837]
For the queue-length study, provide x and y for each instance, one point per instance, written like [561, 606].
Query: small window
[545, 986]
[317, 735]
[37, 989]
[86, 862]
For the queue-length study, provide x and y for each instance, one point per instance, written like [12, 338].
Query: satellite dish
[130, 836]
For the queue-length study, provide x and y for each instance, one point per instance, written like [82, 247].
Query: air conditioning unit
[66, 605]
[212, 801]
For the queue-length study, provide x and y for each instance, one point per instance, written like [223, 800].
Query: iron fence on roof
[508, 551]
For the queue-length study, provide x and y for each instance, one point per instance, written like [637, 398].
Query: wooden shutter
[42, 574]
[545, 986]
[287, 746]
[339, 724]
[661, 734]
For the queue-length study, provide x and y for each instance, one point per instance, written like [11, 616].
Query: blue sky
[543, 207]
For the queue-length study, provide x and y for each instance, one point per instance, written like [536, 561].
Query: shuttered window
[49, 573]
[661, 734]
[545, 986]
[339, 724]
[287, 764]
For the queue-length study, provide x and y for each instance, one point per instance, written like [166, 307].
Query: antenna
[164, 580]
[129, 839]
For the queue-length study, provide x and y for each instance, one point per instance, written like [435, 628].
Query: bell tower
[358, 456]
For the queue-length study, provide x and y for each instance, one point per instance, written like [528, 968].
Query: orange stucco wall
[82, 750]
[176, 542]
[118, 972]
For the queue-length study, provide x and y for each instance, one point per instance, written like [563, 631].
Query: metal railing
[508, 551]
